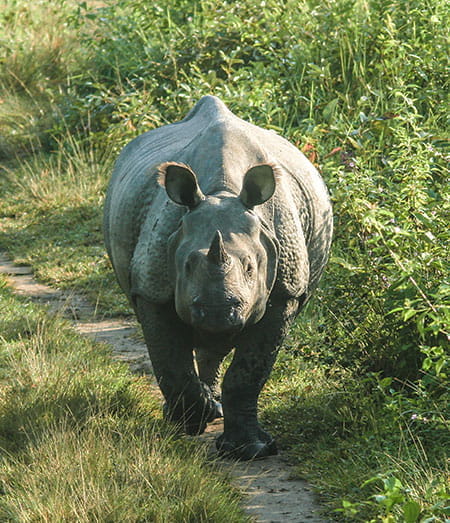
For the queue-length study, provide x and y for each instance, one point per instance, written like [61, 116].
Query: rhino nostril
[197, 310]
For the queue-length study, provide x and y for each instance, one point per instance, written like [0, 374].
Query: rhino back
[299, 214]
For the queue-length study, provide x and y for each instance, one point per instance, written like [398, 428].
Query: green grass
[348, 434]
[38, 57]
[360, 399]
[52, 219]
[81, 439]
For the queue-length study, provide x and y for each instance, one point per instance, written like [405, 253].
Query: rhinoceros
[218, 232]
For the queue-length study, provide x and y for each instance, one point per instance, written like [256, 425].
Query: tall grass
[361, 399]
[38, 56]
[75, 174]
[80, 439]
[52, 218]
[107, 472]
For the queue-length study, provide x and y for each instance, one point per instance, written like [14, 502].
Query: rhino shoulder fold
[150, 275]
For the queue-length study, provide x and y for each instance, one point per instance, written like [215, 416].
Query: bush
[361, 88]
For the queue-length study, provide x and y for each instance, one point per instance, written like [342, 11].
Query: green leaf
[370, 481]
[422, 217]
[411, 511]
[409, 314]
[398, 282]
[344, 263]
[427, 363]
[385, 382]
[330, 109]
[392, 483]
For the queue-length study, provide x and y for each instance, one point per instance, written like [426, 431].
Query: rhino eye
[248, 268]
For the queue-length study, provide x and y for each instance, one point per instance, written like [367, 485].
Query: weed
[361, 88]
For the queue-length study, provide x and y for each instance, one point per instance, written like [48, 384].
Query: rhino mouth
[214, 318]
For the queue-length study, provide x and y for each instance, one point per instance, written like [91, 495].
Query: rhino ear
[259, 184]
[180, 183]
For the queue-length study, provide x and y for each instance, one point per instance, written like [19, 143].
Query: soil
[270, 493]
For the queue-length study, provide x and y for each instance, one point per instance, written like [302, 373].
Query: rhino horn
[217, 253]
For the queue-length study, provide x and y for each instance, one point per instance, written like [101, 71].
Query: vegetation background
[359, 398]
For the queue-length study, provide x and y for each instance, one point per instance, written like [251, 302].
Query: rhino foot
[193, 422]
[262, 447]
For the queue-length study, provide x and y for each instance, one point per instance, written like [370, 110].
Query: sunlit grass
[74, 175]
[52, 219]
[107, 471]
[81, 439]
[361, 88]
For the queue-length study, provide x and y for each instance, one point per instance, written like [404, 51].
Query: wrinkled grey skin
[218, 232]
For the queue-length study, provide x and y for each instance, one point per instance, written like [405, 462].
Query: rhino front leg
[189, 402]
[208, 364]
[255, 354]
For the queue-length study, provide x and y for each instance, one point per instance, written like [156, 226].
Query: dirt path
[271, 496]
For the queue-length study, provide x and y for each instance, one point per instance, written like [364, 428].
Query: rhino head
[223, 258]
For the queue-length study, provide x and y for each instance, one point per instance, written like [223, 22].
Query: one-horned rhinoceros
[218, 232]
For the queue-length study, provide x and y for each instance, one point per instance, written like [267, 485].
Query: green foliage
[38, 57]
[342, 432]
[361, 87]
[396, 505]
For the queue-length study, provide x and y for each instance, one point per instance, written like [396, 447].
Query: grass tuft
[80, 438]
[361, 399]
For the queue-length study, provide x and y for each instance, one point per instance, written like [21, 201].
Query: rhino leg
[255, 354]
[208, 364]
[189, 402]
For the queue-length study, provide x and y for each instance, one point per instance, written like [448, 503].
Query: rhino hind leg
[189, 402]
[254, 357]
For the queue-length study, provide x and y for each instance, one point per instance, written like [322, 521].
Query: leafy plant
[361, 88]
[396, 504]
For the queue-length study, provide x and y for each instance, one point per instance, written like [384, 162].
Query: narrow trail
[270, 495]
